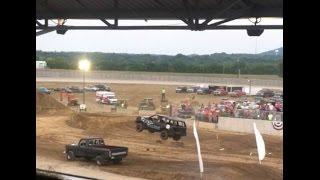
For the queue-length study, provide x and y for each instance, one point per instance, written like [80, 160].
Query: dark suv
[181, 89]
[167, 126]
[101, 87]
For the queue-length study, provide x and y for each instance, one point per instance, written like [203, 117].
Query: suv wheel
[70, 156]
[139, 127]
[99, 161]
[164, 135]
[116, 161]
[176, 137]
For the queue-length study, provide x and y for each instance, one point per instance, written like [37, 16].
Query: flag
[260, 143]
[195, 133]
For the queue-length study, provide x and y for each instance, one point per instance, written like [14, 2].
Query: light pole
[84, 65]
[249, 86]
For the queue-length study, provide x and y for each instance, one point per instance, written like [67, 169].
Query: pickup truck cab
[95, 149]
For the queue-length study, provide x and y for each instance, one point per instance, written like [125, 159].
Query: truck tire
[99, 161]
[139, 127]
[164, 135]
[117, 161]
[70, 156]
[176, 137]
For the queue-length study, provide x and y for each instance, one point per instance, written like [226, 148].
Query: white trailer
[41, 64]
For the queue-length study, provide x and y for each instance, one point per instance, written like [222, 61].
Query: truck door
[82, 148]
[88, 150]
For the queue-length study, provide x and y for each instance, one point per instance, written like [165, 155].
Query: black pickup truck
[95, 149]
[167, 126]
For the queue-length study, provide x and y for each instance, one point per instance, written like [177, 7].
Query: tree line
[218, 63]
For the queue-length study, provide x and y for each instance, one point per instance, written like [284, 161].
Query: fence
[153, 76]
[246, 126]
[258, 114]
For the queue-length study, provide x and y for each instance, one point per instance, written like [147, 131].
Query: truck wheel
[176, 137]
[116, 161]
[139, 127]
[164, 135]
[99, 161]
[70, 156]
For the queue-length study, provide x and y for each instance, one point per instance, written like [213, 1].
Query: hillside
[263, 63]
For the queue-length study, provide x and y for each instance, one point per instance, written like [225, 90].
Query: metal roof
[196, 14]
[156, 9]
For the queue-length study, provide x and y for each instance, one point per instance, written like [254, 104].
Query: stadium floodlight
[84, 65]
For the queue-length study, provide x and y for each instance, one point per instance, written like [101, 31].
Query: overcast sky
[169, 42]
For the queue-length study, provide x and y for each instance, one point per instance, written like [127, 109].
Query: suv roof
[168, 117]
[87, 138]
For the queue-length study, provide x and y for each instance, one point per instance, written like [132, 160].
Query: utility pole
[238, 68]
[222, 68]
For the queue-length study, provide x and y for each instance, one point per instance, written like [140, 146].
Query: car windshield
[181, 124]
[98, 142]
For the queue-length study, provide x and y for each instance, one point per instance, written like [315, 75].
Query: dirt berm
[46, 103]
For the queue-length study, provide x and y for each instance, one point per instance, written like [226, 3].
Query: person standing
[163, 94]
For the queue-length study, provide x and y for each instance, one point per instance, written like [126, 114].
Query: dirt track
[154, 159]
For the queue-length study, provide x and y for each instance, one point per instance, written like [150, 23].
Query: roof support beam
[171, 11]
[222, 27]
[45, 31]
[223, 10]
[188, 12]
[38, 23]
[221, 22]
[106, 22]
[115, 6]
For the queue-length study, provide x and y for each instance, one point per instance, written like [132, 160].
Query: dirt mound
[45, 103]
[78, 120]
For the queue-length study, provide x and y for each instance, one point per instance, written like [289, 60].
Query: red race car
[220, 92]
[237, 93]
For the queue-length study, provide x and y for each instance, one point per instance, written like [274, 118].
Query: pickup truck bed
[101, 153]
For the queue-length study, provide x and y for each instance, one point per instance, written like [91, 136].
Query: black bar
[225, 27]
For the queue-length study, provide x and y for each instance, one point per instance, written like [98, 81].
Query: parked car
[167, 126]
[74, 89]
[237, 93]
[43, 90]
[101, 87]
[265, 93]
[95, 149]
[106, 97]
[91, 88]
[203, 91]
[193, 89]
[181, 89]
[220, 92]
